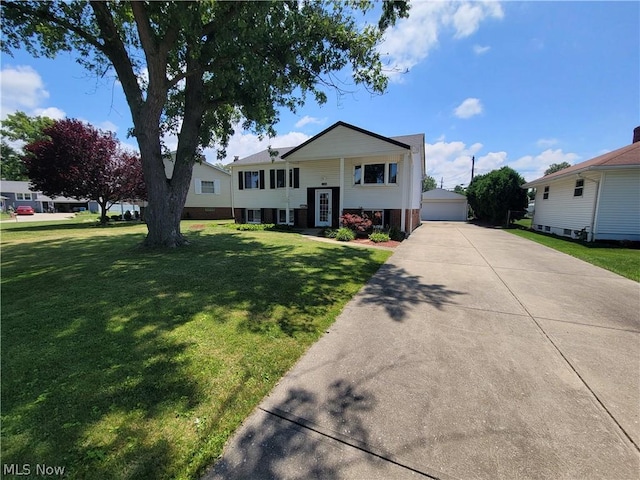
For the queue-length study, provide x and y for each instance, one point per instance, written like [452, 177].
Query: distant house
[597, 200]
[209, 196]
[18, 193]
[440, 204]
[343, 169]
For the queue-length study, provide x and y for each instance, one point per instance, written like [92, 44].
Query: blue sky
[523, 84]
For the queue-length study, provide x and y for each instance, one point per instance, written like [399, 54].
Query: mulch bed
[366, 241]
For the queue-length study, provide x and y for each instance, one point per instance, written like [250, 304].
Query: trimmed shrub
[379, 237]
[345, 234]
[360, 225]
[396, 234]
[329, 232]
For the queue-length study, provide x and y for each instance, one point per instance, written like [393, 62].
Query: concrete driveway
[472, 353]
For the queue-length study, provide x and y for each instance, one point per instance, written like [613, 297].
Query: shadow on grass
[90, 353]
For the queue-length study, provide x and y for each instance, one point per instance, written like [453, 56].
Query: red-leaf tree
[76, 160]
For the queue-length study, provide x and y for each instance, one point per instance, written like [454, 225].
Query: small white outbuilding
[440, 204]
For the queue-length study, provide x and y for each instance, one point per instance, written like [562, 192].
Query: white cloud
[480, 49]
[468, 108]
[51, 112]
[307, 120]
[243, 144]
[411, 40]
[450, 162]
[468, 16]
[532, 167]
[22, 88]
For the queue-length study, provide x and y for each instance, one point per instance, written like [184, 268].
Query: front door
[323, 208]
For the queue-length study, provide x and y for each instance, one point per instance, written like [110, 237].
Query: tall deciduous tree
[556, 167]
[11, 165]
[198, 68]
[429, 183]
[492, 195]
[20, 129]
[76, 160]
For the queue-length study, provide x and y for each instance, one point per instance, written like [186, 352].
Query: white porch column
[341, 196]
[286, 182]
[406, 177]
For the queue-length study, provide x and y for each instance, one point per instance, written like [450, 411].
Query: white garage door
[451, 211]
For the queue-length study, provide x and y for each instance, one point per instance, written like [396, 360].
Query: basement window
[577, 192]
[253, 216]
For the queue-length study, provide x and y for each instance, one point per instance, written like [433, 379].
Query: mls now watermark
[39, 469]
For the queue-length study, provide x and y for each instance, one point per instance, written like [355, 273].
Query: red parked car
[25, 210]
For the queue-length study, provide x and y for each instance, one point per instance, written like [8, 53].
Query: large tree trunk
[166, 197]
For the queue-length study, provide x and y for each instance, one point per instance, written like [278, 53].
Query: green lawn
[123, 363]
[623, 261]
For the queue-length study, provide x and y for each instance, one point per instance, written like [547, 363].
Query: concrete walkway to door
[472, 353]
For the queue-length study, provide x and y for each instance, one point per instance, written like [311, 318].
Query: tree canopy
[19, 129]
[556, 167]
[76, 160]
[196, 69]
[492, 195]
[429, 183]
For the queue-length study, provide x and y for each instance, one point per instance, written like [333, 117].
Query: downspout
[596, 204]
[596, 207]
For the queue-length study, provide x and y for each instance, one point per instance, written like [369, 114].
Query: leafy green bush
[250, 227]
[396, 234]
[378, 237]
[345, 234]
[492, 195]
[329, 232]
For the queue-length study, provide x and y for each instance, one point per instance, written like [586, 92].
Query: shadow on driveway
[395, 289]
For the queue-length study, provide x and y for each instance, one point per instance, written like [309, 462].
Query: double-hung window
[545, 193]
[577, 191]
[251, 180]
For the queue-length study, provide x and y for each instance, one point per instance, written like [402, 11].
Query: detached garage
[440, 204]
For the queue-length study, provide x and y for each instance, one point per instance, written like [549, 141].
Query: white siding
[373, 196]
[562, 210]
[619, 206]
[346, 143]
[319, 174]
[208, 173]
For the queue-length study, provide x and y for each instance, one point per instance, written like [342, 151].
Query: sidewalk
[472, 353]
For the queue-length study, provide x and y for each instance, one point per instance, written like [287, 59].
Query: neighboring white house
[209, 196]
[599, 198]
[440, 204]
[343, 169]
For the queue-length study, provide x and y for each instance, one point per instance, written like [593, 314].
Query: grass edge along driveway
[623, 261]
[123, 363]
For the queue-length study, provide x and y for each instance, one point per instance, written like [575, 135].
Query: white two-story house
[343, 169]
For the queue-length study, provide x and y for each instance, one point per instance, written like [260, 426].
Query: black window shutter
[240, 182]
[272, 178]
[261, 179]
[296, 178]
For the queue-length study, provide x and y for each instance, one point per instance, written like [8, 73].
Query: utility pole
[473, 165]
[441, 181]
